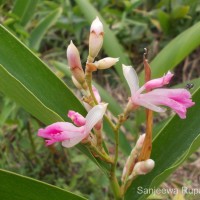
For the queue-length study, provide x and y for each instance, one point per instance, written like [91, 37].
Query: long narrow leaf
[39, 32]
[25, 10]
[18, 187]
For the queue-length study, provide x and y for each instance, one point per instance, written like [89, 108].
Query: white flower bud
[106, 63]
[96, 38]
[144, 167]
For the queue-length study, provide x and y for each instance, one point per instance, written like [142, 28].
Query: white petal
[150, 106]
[131, 78]
[94, 115]
[75, 138]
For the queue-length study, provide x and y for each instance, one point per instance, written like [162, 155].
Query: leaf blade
[14, 186]
[38, 33]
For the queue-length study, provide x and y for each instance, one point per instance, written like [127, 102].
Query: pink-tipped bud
[140, 141]
[74, 62]
[96, 38]
[77, 118]
[144, 167]
[106, 63]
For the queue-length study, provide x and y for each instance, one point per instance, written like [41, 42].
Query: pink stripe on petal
[60, 131]
[179, 108]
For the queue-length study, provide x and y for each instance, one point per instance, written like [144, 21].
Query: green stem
[113, 180]
[110, 122]
[115, 187]
[103, 156]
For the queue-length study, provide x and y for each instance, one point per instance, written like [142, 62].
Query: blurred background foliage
[47, 28]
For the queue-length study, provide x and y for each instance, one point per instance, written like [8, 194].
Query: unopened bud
[144, 167]
[96, 38]
[106, 63]
[140, 141]
[74, 61]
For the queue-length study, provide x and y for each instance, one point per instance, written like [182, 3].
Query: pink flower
[177, 99]
[69, 134]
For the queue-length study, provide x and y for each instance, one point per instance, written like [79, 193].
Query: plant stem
[88, 75]
[113, 179]
[116, 188]
[103, 156]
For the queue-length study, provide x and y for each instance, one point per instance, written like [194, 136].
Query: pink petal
[180, 95]
[178, 107]
[54, 128]
[61, 131]
[77, 118]
[159, 82]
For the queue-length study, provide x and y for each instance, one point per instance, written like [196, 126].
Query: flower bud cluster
[95, 45]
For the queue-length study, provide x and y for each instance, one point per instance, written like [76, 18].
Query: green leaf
[32, 73]
[111, 45]
[39, 32]
[20, 94]
[164, 20]
[18, 187]
[25, 10]
[172, 145]
[27, 79]
[171, 55]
